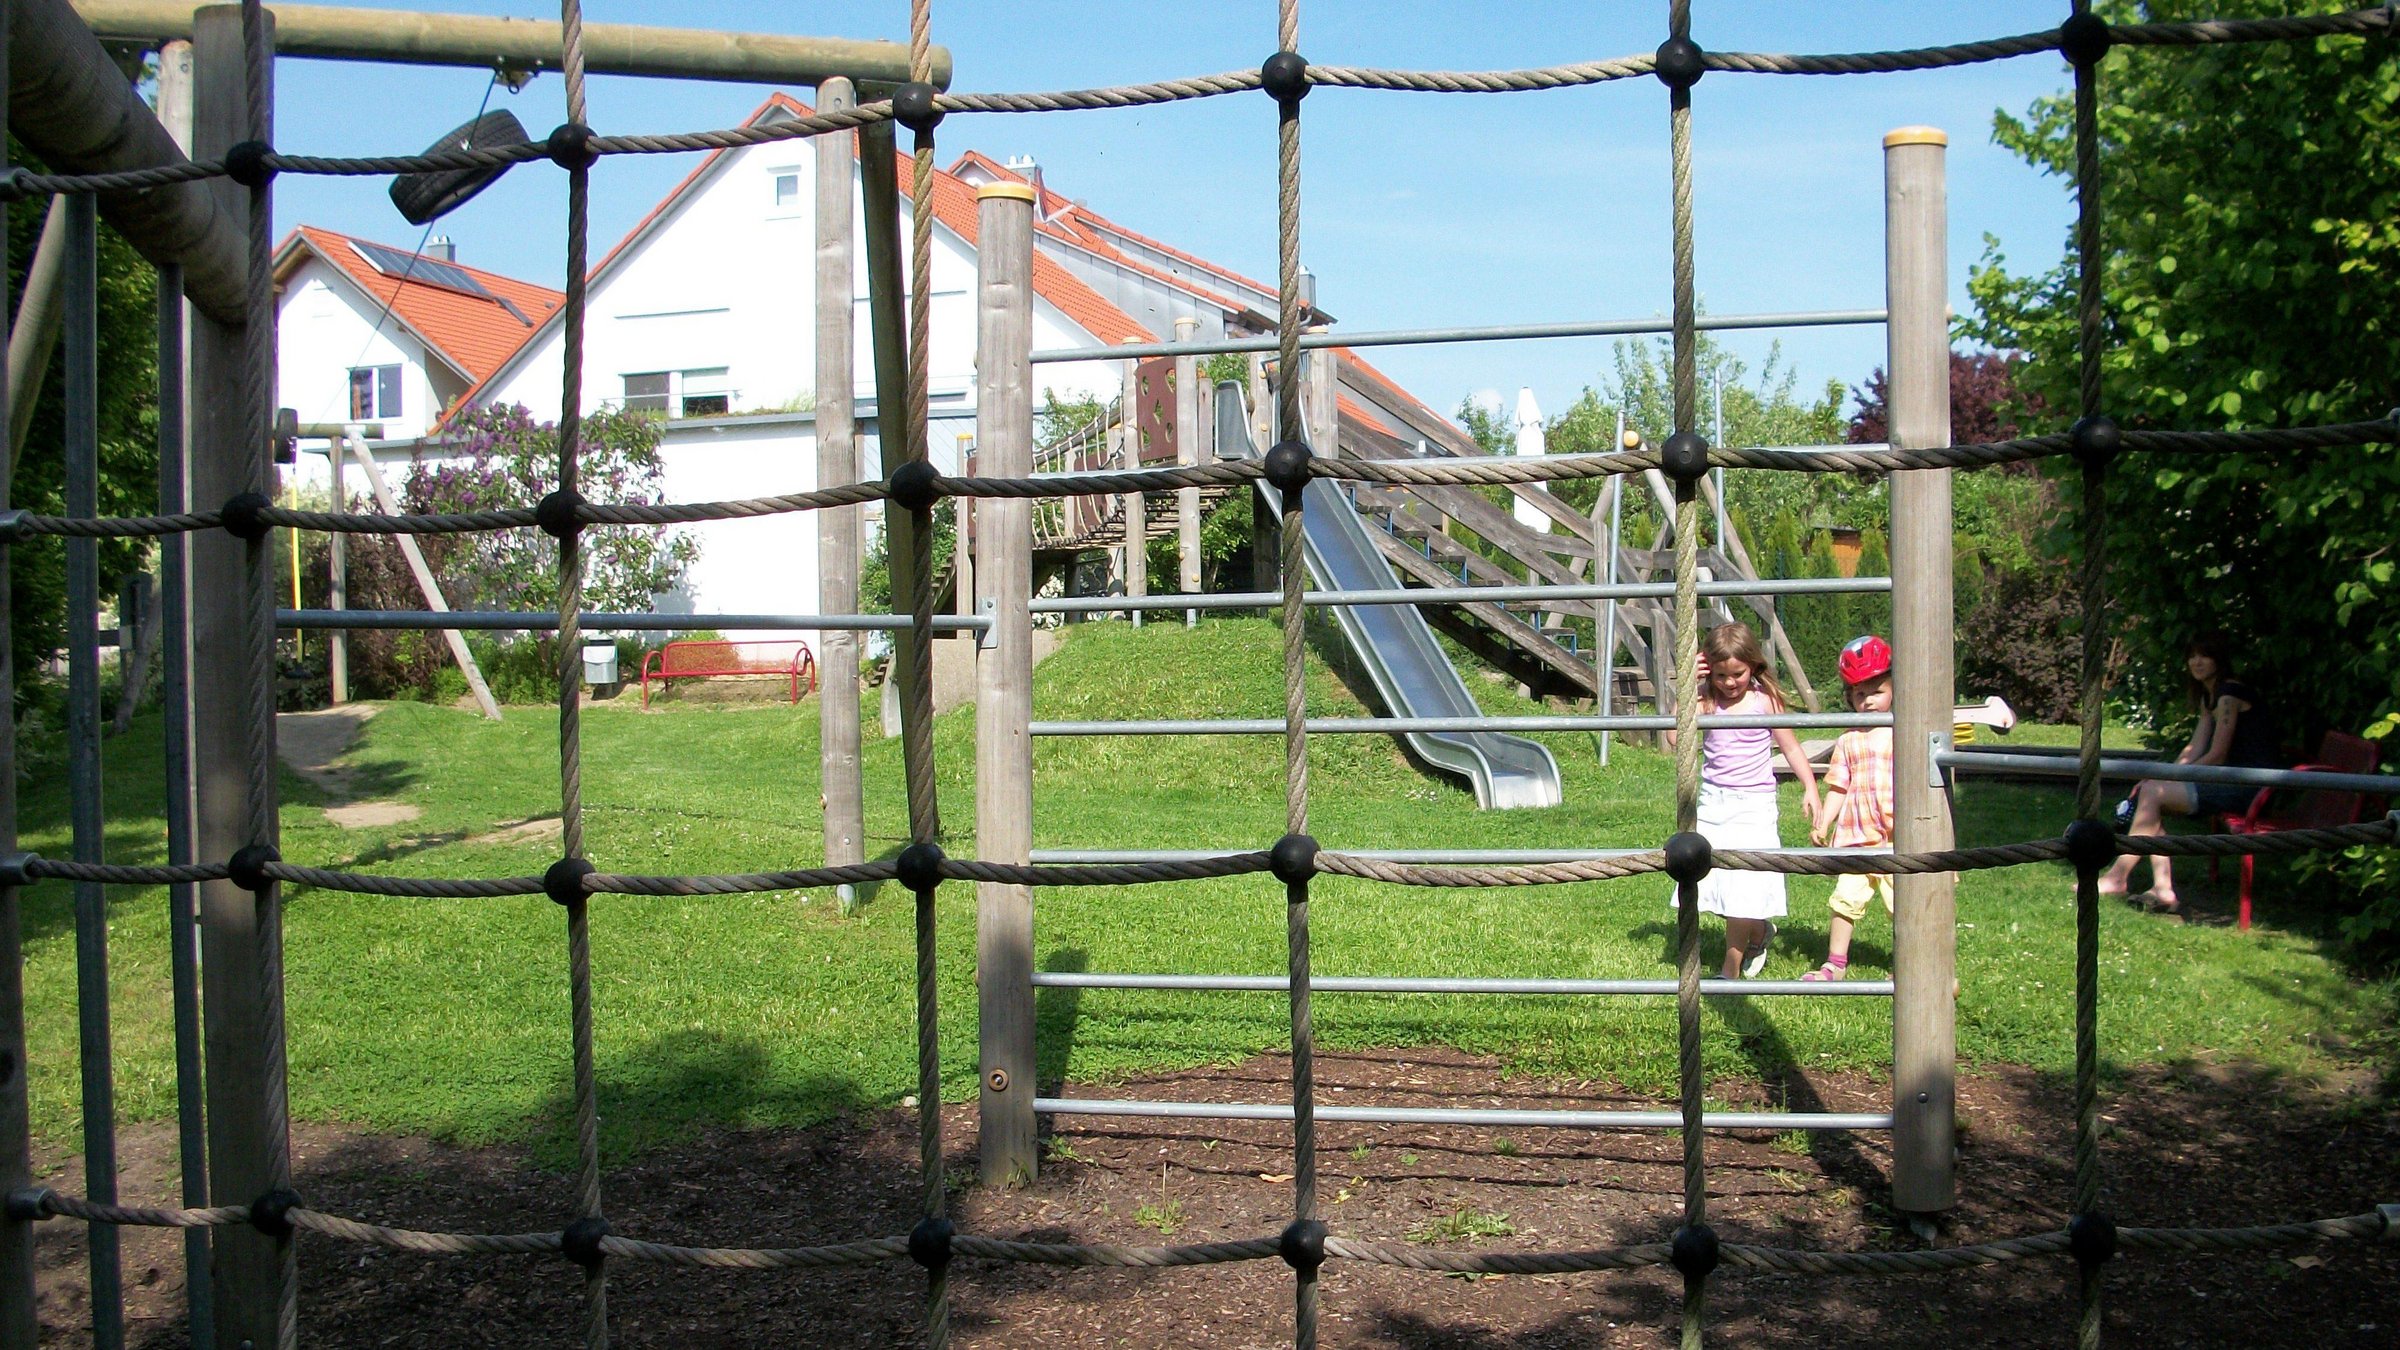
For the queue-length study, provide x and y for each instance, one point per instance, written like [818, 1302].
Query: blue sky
[1417, 209]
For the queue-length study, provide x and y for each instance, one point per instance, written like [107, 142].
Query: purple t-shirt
[1740, 759]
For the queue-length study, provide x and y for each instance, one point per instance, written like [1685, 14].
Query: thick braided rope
[428, 1243]
[862, 1253]
[1416, 473]
[917, 747]
[1105, 874]
[1686, 391]
[570, 690]
[1568, 75]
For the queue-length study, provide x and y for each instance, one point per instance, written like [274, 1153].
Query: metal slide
[1401, 656]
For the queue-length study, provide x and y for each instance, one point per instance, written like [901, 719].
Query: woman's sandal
[1827, 972]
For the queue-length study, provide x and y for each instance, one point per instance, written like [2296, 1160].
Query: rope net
[2091, 1239]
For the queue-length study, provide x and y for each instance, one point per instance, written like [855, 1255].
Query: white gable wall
[327, 326]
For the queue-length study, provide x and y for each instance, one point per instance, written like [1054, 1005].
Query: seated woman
[2236, 727]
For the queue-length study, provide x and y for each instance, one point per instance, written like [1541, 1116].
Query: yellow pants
[1851, 891]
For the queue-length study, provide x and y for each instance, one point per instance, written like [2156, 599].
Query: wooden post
[1136, 568]
[1004, 682]
[837, 463]
[234, 756]
[1924, 936]
[426, 585]
[1187, 451]
[1318, 400]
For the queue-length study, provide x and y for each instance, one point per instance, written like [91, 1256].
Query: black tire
[426, 197]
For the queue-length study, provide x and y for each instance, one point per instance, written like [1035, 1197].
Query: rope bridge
[914, 489]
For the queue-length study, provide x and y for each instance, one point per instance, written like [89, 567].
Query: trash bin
[600, 663]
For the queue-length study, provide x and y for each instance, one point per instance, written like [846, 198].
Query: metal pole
[19, 1328]
[1187, 451]
[337, 564]
[837, 463]
[1924, 936]
[1004, 683]
[1718, 377]
[82, 381]
[1136, 572]
[1317, 337]
[345, 34]
[1616, 534]
[233, 746]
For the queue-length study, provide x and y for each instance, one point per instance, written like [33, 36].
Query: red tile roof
[471, 332]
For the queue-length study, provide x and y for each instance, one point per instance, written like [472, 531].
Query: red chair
[2275, 809]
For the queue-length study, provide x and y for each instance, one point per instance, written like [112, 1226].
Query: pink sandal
[1828, 971]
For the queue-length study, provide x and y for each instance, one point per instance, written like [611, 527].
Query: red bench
[699, 659]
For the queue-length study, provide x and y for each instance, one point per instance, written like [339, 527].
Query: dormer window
[787, 192]
[375, 392]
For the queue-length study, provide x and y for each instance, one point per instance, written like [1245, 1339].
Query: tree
[2251, 231]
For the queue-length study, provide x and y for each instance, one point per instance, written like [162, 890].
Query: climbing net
[1294, 860]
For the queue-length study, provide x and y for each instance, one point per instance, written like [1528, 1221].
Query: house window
[705, 393]
[646, 393]
[787, 191]
[375, 391]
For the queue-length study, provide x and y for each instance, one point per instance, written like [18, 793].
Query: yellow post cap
[1007, 192]
[1915, 136]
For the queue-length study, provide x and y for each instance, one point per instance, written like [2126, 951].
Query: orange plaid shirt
[1861, 770]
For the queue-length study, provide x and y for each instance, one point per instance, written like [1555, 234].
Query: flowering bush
[501, 458]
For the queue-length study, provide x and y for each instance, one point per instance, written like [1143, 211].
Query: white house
[705, 312]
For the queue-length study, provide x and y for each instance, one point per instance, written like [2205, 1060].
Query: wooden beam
[838, 527]
[426, 585]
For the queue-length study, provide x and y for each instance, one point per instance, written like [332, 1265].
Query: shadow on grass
[682, 1082]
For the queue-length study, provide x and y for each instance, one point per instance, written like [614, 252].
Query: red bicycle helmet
[1864, 658]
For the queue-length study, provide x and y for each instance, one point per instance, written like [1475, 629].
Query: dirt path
[313, 743]
[2217, 1149]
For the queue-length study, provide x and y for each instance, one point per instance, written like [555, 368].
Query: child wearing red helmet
[1857, 804]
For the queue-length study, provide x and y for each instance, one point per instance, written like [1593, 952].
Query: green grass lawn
[450, 1017]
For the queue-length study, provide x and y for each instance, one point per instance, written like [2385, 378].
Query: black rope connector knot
[1293, 860]
[562, 881]
[2092, 1238]
[2084, 38]
[913, 107]
[16, 869]
[919, 867]
[570, 147]
[12, 523]
[1684, 456]
[1285, 78]
[929, 1241]
[1302, 1245]
[247, 868]
[1287, 465]
[555, 513]
[1695, 1250]
[246, 164]
[1680, 63]
[2091, 845]
[2096, 439]
[271, 1213]
[915, 486]
[243, 516]
[12, 183]
[28, 1204]
[1690, 856]
[579, 1241]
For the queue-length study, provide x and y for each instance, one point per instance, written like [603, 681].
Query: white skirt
[1732, 819]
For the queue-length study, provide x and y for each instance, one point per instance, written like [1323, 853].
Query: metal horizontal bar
[2127, 770]
[340, 33]
[511, 621]
[1424, 855]
[1460, 595]
[1476, 1116]
[1411, 337]
[1394, 726]
[1380, 984]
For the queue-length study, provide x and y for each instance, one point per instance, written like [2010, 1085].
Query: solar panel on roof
[418, 268]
